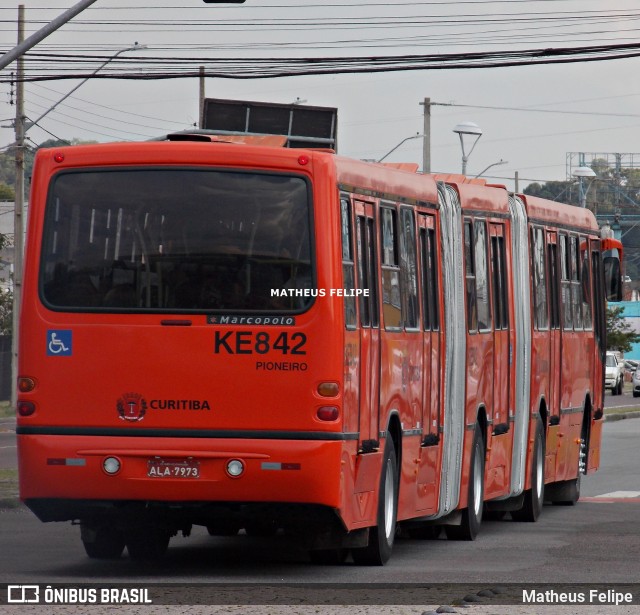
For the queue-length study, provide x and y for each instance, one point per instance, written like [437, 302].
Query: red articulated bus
[242, 336]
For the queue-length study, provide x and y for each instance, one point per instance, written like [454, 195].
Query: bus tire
[565, 493]
[147, 544]
[381, 536]
[472, 514]
[534, 497]
[102, 543]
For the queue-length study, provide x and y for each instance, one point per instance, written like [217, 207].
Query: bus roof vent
[209, 136]
[302, 125]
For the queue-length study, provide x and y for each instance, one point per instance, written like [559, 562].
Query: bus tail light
[328, 389]
[26, 408]
[328, 413]
[26, 384]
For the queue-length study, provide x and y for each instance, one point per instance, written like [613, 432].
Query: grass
[6, 409]
[9, 487]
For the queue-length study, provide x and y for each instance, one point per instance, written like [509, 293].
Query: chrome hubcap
[388, 500]
[477, 482]
[539, 472]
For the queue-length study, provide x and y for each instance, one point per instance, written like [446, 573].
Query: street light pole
[416, 136]
[135, 47]
[36, 37]
[18, 223]
[467, 128]
[495, 164]
[581, 173]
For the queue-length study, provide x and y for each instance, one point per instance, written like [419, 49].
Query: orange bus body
[150, 399]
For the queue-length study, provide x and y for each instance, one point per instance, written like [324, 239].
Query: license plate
[175, 468]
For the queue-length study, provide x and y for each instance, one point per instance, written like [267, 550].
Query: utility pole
[426, 144]
[201, 100]
[24, 46]
[18, 223]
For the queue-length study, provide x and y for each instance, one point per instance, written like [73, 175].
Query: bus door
[431, 419]
[501, 359]
[596, 294]
[369, 327]
[555, 338]
[556, 263]
[499, 455]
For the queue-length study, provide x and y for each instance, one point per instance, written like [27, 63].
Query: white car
[635, 381]
[614, 374]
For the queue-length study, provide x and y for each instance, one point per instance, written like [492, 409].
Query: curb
[622, 415]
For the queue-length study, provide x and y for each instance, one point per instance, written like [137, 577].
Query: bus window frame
[51, 205]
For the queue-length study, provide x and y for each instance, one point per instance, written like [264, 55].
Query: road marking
[613, 497]
[12, 446]
[620, 494]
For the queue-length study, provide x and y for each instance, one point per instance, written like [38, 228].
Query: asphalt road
[597, 540]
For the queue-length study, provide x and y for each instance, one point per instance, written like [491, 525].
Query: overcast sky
[595, 104]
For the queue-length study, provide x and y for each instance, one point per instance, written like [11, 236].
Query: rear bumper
[62, 477]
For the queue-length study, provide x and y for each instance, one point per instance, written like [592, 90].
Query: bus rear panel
[161, 378]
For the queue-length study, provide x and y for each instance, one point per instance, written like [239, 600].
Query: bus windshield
[176, 240]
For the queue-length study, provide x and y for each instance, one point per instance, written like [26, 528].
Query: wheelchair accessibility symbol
[59, 343]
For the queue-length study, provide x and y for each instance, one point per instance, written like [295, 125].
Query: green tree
[620, 336]
[7, 193]
[562, 192]
[6, 312]
[6, 300]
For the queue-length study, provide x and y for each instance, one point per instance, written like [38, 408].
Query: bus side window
[363, 271]
[372, 269]
[409, 269]
[348, 278]
[482, 276]
[541, 317]
[552, 254]
[576, 291]
[367, 279]
[565, 276]
[585, 283]
[500, 309]
[470, 277]
[391, 299]
[429, 279]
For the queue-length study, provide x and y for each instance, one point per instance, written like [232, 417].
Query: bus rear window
[175, 240]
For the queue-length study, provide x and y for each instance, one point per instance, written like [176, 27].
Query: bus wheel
[378, 551]
[146, 544]
[472, 514]
[102, 543]
[534, 497]
[566, 493]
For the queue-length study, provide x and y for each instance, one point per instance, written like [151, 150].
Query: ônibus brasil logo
[132, 407]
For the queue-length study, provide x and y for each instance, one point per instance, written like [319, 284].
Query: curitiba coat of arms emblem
[132, 407]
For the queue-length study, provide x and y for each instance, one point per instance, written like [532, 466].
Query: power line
[261, 68]
[533, 110]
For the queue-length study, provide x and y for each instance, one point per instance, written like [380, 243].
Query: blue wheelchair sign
[59, 343]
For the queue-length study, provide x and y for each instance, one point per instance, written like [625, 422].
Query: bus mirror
[613, 279]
